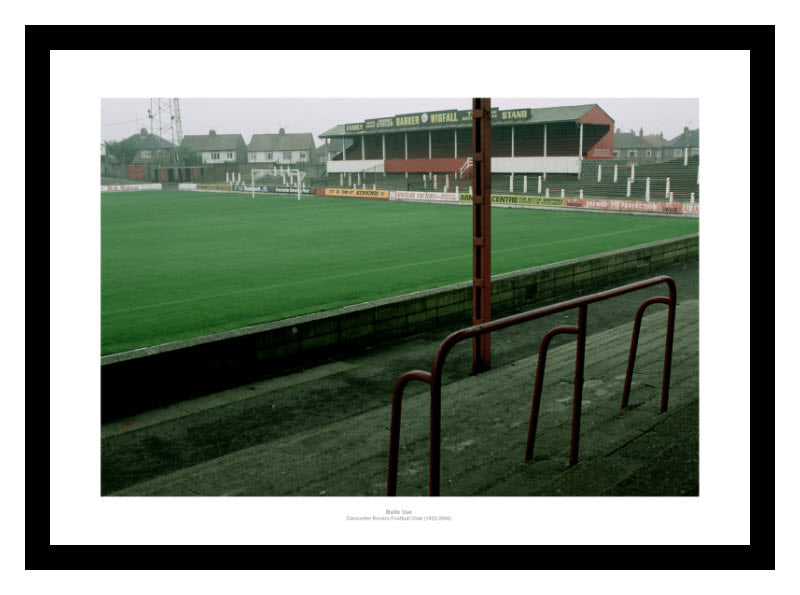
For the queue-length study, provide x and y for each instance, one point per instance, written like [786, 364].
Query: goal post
[295, 176]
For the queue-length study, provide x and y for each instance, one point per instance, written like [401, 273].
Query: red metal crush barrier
[434, 377]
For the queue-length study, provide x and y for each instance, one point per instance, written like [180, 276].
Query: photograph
[366, 297]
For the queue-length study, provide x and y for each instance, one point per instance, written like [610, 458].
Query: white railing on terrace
[466, 167]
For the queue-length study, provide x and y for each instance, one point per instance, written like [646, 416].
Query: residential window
[269, 156]
[230, 155]
[287, 157]
[303, 156]
[631, 152]
[678, 153]
[252, 156]
[145, 154]
[616, 153]
[215, 155]
[649, 153]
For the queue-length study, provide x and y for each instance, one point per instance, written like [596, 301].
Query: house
[635, 148]
[657, 141]
[137, 156]
[151, 148]
[687, 140]
[217, 148]
[281, 148]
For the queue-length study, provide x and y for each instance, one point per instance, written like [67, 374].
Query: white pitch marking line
[359, 273]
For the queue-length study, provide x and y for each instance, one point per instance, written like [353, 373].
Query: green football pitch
[177, 265]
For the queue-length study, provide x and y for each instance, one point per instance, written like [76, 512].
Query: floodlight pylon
[165, 122]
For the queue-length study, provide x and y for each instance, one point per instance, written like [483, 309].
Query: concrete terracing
[324, 431]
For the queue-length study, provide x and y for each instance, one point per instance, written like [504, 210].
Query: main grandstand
[565, 151]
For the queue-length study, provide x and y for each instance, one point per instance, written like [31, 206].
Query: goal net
[278, 179]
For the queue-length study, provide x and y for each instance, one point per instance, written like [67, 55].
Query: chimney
[619, 130]
[281, 131]
[641, 132]
[212, 132]
[143, 132]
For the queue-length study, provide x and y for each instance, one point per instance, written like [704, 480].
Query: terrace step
[484, 428]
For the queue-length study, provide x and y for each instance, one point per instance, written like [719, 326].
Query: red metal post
[673, 301]
[481, 230]
[394, 432]
[435, 459]
[577, 395]
[637, 326]
[537, 387]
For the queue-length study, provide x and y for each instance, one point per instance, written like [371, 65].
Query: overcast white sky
[121, 117]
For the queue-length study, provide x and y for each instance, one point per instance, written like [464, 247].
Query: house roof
[145, 140]
[628, 140]
[656, 140]
[213, 142]
[282, 142]
[687, 138]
